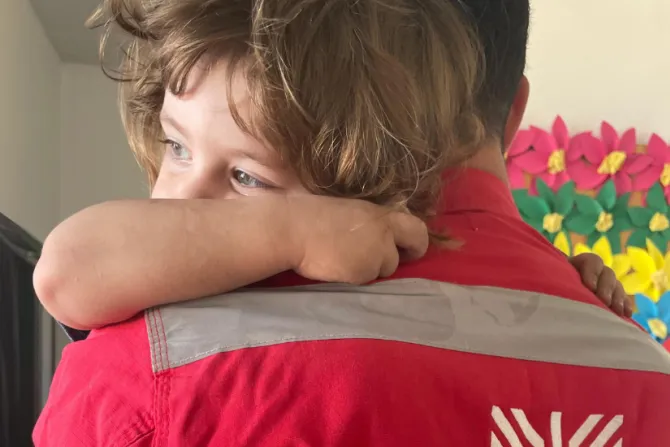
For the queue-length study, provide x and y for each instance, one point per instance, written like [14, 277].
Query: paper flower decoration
[658, 168]
[651, 272]
[606, 215]
[547, 212]
[550, 155]
[654, 317]
[619, 263]
[521, 144]
[610, 157]
[562, 243]
[651, 222]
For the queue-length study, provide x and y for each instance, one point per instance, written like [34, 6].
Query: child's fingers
[628, 304]
[607, 285]
[590, 267]
[621, 305]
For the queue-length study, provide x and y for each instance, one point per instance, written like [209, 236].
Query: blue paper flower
[653, 317]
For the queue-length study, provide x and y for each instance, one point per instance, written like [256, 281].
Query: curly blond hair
[368, 99]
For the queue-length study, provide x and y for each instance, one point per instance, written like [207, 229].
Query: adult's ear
[517, 111]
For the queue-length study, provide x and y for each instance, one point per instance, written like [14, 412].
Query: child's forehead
[211, 84]
[202, 116]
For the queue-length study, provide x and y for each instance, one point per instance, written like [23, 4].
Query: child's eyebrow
[168, 119]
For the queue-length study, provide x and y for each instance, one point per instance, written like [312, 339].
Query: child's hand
[602, 281]
[352, 241]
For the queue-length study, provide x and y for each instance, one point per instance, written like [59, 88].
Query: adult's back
[494, 343]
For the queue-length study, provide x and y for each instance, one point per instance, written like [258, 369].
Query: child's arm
[602, 281]
[112, 260]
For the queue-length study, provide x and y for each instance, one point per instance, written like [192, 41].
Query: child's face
[206, 154]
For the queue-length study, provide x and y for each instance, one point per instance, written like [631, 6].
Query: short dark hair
[502, 28]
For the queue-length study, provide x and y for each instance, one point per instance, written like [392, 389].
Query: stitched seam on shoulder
[168, 382]
[161, 407]
[148, 319]
[157, 342]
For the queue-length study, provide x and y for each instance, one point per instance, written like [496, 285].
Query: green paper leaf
[615, 242]
[519, 194]
[640, 216]
[545, 193]
[621, 205]
[660, 241]
[593, 238]
[587, 205]
[565, 198]
[537, 224]
[638, 239]
[656, 198]
[621, 223]
[581, 223]
[607, 195]
[532, 207]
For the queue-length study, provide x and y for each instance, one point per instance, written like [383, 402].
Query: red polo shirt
[496, 343]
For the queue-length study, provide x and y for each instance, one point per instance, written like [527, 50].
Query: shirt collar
[470, 189]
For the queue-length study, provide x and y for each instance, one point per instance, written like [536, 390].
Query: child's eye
[177, 151]
[247, 180]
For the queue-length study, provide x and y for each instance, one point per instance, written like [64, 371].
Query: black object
[19, 335]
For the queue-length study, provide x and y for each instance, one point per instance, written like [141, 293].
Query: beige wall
[29, 125]
[30, 131]
[95, 163]
[591, 60]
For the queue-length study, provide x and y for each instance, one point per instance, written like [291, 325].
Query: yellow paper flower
[561, 242]
[620, 264]
[651, 272]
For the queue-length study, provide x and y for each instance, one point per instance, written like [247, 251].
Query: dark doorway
[19, 336]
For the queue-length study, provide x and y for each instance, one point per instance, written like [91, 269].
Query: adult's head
[367, 99]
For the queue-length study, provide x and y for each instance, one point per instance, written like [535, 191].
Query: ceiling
[63, 21]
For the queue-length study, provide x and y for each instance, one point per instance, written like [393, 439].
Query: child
[111, 261]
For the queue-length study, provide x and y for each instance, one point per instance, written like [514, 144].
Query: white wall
[29, 124]
[591, 60]
[95, 163]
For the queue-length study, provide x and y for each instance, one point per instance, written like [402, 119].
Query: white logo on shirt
[530, 435]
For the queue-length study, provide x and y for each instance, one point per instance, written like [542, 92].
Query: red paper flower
[605, 158]
[551, 155]
[520, 145]
[658, 154]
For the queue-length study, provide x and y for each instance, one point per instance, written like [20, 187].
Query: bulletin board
[605, 193]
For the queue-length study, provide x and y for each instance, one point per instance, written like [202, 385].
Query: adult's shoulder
[102, 390]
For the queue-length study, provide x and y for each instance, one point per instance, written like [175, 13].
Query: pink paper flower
[551, 155]
[520, 145]
[609, 157]
[658, 154]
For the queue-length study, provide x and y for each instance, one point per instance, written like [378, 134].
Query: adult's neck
[490, 159]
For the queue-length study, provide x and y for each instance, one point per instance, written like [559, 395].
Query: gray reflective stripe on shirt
[479, 320]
